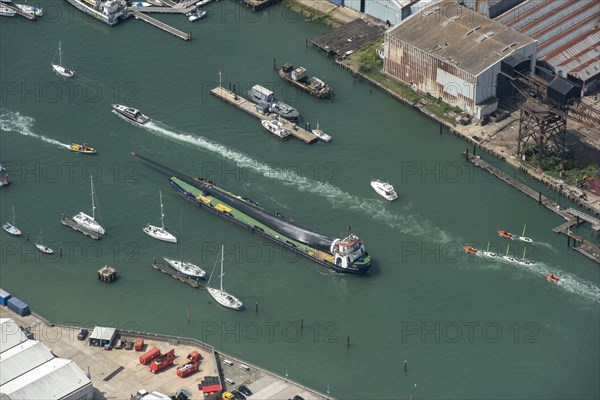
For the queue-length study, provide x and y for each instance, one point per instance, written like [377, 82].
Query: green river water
[469, 328]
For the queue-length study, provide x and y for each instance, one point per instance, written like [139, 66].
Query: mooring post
[405, 363]
[540, 198]
[577, 220]
[230, 86]
[308, 126]
[301, 324]
[27, 237]
[441, 128]
[256, 307]
[306, 42]
[568, 240]
[467, 154]
[348, 342]
[474, 149]
[274, 63]
[60, 251]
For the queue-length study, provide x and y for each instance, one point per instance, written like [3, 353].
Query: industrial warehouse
[454, 54]
[29, 370]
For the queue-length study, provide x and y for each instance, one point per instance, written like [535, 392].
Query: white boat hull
[63, 71]
[186, 268]
[225, 299]
[321, 135]
[159, 233]
[276, 128]
[44, 249]
[11, 229]
[88, 222]
[379, 188]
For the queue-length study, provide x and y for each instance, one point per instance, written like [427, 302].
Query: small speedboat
[196, 15]
[552, 279]
[82, 148]
[525, 239]
[470, 250]
[276, 128]
[133, 114]
[512, 259]
[490, 254]
[384, 189]
[505, 234]
[320, 134]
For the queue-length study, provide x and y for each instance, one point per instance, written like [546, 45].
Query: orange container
[149, 355]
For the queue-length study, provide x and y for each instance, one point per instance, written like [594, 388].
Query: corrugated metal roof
[10, 334]
[471, 42]
[566, 31]
[22, 358]
[52, 380]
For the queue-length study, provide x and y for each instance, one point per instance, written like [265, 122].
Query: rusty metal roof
[460, 36]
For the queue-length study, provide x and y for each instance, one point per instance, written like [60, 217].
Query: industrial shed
[568, 36]
[29, 370]
[56, 379]
[10, 334]
[453, 53]
[102, 336]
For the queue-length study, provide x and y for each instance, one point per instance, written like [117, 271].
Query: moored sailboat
[41, 246]
[221, 296]
[12, 228]
[89, 222]
[161, 232]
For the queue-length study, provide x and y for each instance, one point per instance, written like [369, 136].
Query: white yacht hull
[225, 299]
[191, 270]
[44, 249]
[63, 71]
[88, 222]
[159, 233]
[377, 186]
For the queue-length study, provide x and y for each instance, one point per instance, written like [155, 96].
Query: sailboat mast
[507, 247]
[13, 210]
[93, 205]
[524, 227]
[59, 53]
[222, 259]
[162, 215]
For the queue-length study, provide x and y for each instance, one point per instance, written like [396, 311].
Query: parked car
[119, 344]
[238, 395]
[82, 334]
[128, 345]
[107, 346]
[227, 396]
[296, 397]
[245, 390]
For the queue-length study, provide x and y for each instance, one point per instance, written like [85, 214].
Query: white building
[29, 370]
[453, 53]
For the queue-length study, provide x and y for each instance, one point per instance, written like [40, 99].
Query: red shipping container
[149, 355]
[139, 344]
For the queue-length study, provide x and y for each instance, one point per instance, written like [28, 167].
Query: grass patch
[311, 15]
[567, 169]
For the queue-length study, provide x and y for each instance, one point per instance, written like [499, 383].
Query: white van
[229, 381]
[244, 367]
[228, 362]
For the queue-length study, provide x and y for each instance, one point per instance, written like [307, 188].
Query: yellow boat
[82, 148]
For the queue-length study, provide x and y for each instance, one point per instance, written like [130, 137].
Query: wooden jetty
[107, 274]
[30, 17]
[177, 275]
[256, 5]
[248, 106]
[164, 10]
[162, 25]
[573, 217]
[72, 224]
[350, 37]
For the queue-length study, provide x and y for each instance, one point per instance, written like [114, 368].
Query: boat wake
[376, 209]
[568, 282]
[13, 121]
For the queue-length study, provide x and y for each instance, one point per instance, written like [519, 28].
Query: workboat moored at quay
[264, 97]
[300, 78]
[347, 255]
[108, 11]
